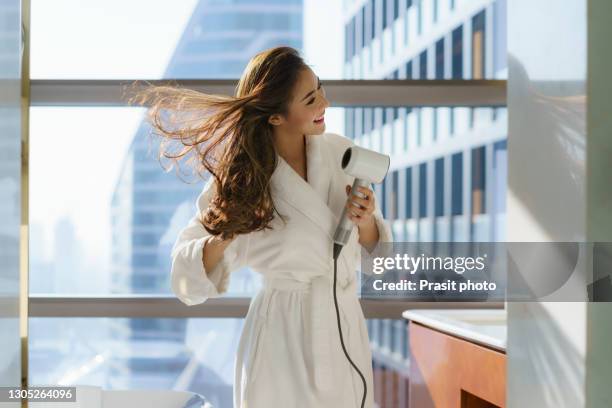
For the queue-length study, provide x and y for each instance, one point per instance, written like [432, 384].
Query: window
[384, 14]
[408, 76]
[395, 109]
[423, 65]
[457, 56]
[440, 59]
[395, 9]
[435, 10]
[394, 196]
[358, 35]
[144, 353]
[377, 119]
[385, 115]
[347, 46]
[420, 17]
[454, 182]
[189, 39]
[368, 119]
[122, 220]
[439, 187]
[358, 121]
[373, 8]
[500, 166]
[124, 215]
[363, 27]
[499, 40]
[351, 37]
[383, 204]
[11, 178]
[478, 46]
[350, 123]
[478, 180]
[390, 114]
[409, 70]
[457, 184]
[363, 121]
[423, 190]
[409, 213]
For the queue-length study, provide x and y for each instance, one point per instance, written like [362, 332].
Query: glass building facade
[447, 180]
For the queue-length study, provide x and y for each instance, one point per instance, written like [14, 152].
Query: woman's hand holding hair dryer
[360, 211]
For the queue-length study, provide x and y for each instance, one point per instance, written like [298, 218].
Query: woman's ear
[275, 119]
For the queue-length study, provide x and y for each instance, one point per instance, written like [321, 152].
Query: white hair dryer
[367, 166]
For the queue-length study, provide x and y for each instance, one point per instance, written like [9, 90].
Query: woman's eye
[313, 99]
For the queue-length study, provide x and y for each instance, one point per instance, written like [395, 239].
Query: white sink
[151, 399]
[88, 396]
[483, 326]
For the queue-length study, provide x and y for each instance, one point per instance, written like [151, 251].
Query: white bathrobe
[289, 354]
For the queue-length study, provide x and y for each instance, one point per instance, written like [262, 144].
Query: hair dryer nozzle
[365, 164]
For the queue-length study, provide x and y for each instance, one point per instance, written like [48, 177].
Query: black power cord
[337, 249]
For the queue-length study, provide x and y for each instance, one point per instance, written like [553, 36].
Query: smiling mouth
[320, 119]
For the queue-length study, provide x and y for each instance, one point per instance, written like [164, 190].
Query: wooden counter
[451, 372]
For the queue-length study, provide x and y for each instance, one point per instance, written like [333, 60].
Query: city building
[447, 180]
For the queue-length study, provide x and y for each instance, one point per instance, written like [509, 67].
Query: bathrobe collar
[310, 197]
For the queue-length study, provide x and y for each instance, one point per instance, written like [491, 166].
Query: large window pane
[113, 39]
[103, 213]
[183, 354]
[10, 193]
[103, 220]
[72, 39]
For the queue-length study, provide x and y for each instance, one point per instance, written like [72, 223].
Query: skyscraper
[448, 176]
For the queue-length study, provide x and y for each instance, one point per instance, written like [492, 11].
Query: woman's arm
[213, 251]
[368, 234]
[201, 262]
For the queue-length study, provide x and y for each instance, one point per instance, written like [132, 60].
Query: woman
[268, 154]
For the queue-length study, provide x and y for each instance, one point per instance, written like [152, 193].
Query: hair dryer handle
[344, 229]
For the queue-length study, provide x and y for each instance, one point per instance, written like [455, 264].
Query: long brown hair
[231, 137]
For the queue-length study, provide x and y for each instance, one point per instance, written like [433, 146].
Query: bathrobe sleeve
[384, 229]
[190, 282]
[384, 246]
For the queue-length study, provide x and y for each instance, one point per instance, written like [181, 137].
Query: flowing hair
[230, 137]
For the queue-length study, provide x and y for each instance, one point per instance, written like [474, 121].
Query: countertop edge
[455, 330]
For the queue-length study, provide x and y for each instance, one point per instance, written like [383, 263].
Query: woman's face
[307, 107]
